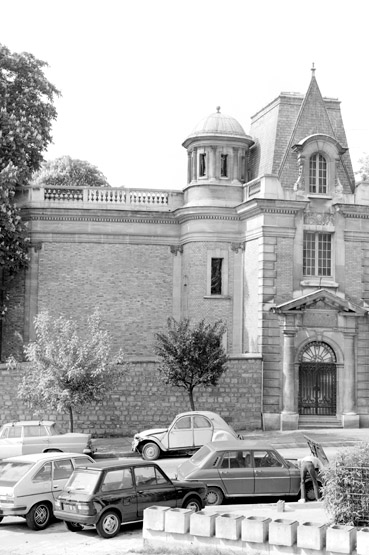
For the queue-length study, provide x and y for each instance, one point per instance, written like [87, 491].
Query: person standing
[309, 465]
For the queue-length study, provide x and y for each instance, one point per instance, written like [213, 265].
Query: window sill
[317, 195]
[318, 282]
[226, 297]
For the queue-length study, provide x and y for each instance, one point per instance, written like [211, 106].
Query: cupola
[217, 151]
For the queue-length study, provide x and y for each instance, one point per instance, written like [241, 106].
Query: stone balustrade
[232, 532]
[99, 197]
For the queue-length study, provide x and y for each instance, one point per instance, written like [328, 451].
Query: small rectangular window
[202, 165]
[216, 276]
[224, 165]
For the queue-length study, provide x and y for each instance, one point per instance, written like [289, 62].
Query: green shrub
[346, 486]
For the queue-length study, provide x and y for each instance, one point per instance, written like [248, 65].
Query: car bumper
[87, 520]
[14, 511]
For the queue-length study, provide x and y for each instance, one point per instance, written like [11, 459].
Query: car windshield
[82, 481]
[201, 454]
[12, 472]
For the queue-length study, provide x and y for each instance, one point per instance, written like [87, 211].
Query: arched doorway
[318, 380]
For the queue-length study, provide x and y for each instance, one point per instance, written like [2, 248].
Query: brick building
[270, 234]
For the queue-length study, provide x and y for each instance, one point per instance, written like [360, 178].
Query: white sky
[137, 76]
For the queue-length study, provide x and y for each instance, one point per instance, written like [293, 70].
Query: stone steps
[319, 422]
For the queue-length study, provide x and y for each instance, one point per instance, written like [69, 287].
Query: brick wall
[142, 401]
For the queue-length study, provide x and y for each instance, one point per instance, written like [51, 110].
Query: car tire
[193, 503]
[214, 496]
[73, 526]
[109, 525]
[309, 491]
[150, 451]
[39, 516]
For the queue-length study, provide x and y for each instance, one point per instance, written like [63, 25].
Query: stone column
[212, 161]
[177, 280]
[289, 416]
[189, 167]
[31, 293]
[235, 174]
[349, 417]
[238, 249]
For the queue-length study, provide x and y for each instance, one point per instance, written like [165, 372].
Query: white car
[33, 436]
[187, 433]
[30, 484]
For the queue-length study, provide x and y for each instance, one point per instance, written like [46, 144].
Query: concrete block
[178, 521]
[362, 546]
[228, 526]
[202, 524]
[350, 420]
[271, 421]
[289, 421]
[341, 539]
[311, 535]
[154, 517]
[283, 532]
[255, 529]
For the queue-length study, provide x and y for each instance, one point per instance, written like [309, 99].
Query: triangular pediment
[320, 300]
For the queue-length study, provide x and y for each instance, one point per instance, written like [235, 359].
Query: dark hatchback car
[243, 469]
[108, 494]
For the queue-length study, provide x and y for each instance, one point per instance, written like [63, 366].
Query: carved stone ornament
[299, 186]
[318, 218]
[338, 187]
[174, 249]
[235, 247]
[36, 246]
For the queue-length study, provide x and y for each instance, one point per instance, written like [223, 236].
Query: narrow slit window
[216, 276]
[202, 165]
[224, 165]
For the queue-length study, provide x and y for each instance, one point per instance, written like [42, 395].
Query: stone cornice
[152, 219]
[353, 211]
[205, 213]
[266, 206]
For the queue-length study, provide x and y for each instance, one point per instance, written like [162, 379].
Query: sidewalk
[282, 441]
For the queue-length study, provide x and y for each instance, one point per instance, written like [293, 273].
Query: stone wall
[143, 401]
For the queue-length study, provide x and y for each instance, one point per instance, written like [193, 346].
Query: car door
[153, 488]
[180, 434]
[11, 442]
[237, 473]
[35, 439]
[117, 488]
[202, 430]
[272, 477]
[62, 469]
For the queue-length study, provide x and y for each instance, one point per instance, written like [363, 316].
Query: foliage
[66, 171]
[67, 371]
[191, 356]
[26, 115]
[363, 172]
[346, 486]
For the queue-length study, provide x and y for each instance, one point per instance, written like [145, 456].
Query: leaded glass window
[216, 276]
[202, 168]
[224, 165]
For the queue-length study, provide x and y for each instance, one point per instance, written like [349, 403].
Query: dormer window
[224, 165]
[202, 165]
[318, 174]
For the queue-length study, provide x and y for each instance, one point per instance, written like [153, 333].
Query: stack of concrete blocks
[226, 531]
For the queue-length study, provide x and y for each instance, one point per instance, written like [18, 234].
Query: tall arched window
[318, 174]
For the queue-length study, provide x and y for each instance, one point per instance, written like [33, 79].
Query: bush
[346, 486]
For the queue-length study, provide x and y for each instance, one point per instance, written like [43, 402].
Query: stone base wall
[143, 401]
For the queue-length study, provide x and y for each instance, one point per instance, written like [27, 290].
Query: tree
[363, 172]
[66, 171]
[191, 356]
[26, 116]
[67, 371]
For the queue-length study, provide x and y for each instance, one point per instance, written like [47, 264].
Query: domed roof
[218, 124]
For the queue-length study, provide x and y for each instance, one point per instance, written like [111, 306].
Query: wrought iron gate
[318, 388]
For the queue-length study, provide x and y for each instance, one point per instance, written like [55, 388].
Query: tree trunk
[190, 395]
[70, 419]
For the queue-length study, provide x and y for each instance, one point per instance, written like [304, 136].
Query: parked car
[243, 469]
[29, 484]
[187, 433]
[32, 436]
[108, 494]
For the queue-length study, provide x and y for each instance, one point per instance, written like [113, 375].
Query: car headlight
[57, 504]
[7, 501]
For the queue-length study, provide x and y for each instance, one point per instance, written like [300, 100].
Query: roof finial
[218, 109]
[313, 70]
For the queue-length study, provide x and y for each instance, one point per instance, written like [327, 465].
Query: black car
[108, 494]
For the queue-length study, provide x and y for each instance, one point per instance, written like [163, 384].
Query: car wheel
[73, 526]
[309, 491]
[150, 451]
[109, 525]
[38, 518]
[192, 503]
[214, 496]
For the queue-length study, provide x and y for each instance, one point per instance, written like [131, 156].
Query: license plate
[71, 508]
